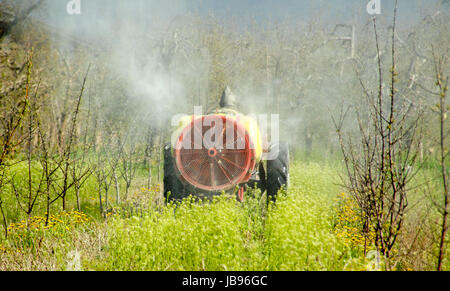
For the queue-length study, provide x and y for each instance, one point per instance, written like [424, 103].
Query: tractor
[222, 152]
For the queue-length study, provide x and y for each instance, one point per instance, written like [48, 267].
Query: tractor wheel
[173, 187]
[277, 171]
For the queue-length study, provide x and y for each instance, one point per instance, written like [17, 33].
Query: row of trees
[47, 154]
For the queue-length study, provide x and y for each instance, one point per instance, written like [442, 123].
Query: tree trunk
[100, 197]
[116, 181]
[5, 223]
[149, 182]
[77, 192]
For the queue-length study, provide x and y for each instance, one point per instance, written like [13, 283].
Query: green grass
[299, 229]
[295, 234]
[18, 174]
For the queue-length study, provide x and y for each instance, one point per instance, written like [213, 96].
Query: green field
[313, 226]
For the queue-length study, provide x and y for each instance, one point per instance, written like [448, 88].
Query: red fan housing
[215, 153]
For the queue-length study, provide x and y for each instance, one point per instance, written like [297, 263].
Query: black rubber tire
[174, 189]
[278, 171]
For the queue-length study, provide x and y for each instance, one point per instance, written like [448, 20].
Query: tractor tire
[173, 187]
[277, 171]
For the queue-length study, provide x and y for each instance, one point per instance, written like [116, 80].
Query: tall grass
[301, 231]
[223, 234]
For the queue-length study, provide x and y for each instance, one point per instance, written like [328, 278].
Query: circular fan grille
[214, 153]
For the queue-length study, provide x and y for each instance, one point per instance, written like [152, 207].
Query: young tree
[68, 148]
[14, 104]
[443, 109]
[128, 166]
[382, 161]
[26, 198]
